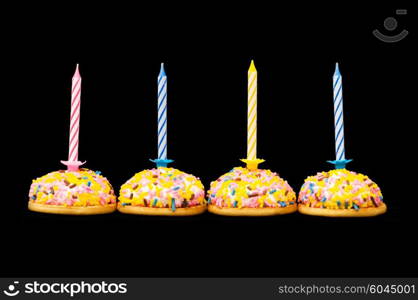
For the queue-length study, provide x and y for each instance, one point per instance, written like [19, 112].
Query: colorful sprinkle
[173, 204]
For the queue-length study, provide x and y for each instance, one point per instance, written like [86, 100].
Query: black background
[207, 51]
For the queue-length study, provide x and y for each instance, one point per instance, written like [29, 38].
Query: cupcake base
[326, 212]
[252, 212]
[72, 210]
[162, 211]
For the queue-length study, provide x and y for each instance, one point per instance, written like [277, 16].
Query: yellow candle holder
[252, 164]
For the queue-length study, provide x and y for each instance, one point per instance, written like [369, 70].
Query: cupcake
[80, 192]
[162, 191]
[340, 193]
[251, 191]
[73, 191]
[246, 192]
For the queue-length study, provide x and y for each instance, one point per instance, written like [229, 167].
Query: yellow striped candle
[252, 113]
[252, 161]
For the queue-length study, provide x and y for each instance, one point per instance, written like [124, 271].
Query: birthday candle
[75, 117]
[338, 115]
[252, 113]
[162, 114]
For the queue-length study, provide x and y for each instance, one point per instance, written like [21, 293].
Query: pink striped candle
[73, 162]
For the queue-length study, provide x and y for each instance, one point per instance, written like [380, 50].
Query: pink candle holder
[72, 165]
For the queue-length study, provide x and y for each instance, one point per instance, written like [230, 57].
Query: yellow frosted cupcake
[78, 192]
[340, 193]
[244, 192]
[162, 191]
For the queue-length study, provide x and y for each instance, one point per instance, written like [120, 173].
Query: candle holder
[252, 164]
[339, 164]
[72, 165]
[161, 162]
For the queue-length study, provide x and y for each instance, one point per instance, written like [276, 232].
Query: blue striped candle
[162, 160]
[338, 115]
[162, 114]
[340, 160]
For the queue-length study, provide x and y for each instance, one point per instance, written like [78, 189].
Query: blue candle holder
[339, 164]
[161, 162]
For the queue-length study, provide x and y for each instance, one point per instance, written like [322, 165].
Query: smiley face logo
[11, 290]
[391, 24]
